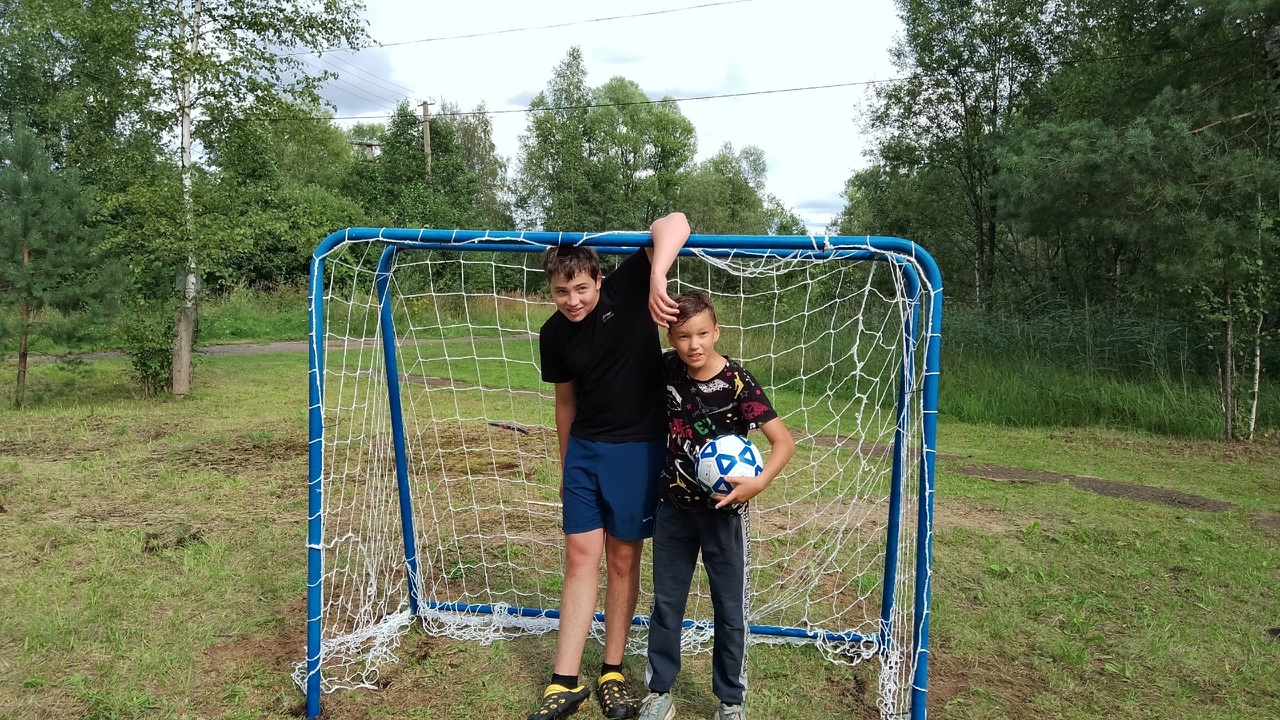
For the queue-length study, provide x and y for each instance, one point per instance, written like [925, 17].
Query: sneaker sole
[569, 709]
[670, 713]
[634, 712]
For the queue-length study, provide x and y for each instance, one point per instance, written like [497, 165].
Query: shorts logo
[606, 317]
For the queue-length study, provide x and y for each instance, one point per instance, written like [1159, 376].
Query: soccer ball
[727, 456]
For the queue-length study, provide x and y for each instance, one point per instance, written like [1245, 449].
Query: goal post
[434, 463]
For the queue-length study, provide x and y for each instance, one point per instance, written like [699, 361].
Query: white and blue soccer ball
[727, 456]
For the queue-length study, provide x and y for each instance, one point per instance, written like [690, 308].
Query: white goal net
[460, 446]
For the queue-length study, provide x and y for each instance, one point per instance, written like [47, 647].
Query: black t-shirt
[613, 357]
[731, 403]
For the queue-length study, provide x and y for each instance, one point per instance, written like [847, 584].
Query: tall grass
[1059, 366]
[247, 314]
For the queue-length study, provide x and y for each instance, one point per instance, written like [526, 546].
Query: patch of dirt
[171, 538]
[948, 679]
[1099, 486]
[241, 662]
[1148, 493]
[254, 349]
[238, 455]
[81, 437]
[113, 516]
[1267, 519]
[1015, 476]
[257, 670]
[970, 515]
[953, 678]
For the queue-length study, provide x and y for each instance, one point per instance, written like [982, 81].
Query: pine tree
[46, 242]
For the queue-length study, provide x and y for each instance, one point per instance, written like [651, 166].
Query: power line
[372, 94]
[719, 96]
[552, 26]
[380, 81]
[635, 102]
[805, 88]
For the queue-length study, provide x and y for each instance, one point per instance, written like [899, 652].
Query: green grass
[252, 315]
[1047, 601]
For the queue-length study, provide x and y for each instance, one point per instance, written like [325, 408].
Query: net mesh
[831, 339]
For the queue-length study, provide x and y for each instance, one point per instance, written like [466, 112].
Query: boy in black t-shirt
[708, 395]
[601, 351]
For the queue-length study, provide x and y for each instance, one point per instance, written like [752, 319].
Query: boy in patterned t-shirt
[708, 395]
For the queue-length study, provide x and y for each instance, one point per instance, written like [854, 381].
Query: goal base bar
[790, 633]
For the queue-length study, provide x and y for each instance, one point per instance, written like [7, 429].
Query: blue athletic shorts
[612, 486]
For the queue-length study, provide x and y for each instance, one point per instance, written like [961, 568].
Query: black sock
[569, 681]
[606, 668]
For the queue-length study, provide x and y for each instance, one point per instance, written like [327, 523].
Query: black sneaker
[615, 703]
[559, 701]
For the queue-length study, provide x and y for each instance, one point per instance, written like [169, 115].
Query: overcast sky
[811, 139]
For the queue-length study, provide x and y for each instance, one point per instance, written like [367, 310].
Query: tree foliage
[46, 243]
[1092, 151]
[605, 157]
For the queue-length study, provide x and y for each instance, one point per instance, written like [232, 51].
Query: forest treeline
[1105, 168]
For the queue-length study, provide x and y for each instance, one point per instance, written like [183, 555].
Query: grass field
[152, 560]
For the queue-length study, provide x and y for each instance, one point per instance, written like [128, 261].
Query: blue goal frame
[910, 258]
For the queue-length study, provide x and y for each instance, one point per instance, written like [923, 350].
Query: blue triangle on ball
[725, 462]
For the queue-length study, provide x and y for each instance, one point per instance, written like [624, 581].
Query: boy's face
[695, 341]
[577, 296]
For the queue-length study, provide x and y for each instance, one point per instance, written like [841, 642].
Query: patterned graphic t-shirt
[731, 403]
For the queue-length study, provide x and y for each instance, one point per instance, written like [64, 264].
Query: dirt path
[1099, 486]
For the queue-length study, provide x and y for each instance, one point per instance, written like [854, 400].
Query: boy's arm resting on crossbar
[669, 235]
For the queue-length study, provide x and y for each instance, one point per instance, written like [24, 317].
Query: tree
[1144, 180]
[46, 241]
[466, 186]
[209, 54]
[600, 158]
[272, 197]
[474, 132]
[725, 195]
[782, 220]
[970, 65]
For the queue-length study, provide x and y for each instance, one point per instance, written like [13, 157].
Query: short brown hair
[691, 304]
[568, 261]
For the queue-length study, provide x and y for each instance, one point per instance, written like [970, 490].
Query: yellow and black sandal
[559, 701]
[615, 703]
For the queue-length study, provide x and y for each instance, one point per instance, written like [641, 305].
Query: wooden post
[426, 134]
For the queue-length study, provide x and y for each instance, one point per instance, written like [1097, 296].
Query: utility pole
[426, 134]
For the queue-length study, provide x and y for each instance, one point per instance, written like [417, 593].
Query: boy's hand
[662, 308]
[744, 488]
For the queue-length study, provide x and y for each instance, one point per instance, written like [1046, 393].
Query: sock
[569, 681]
[606, 668]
